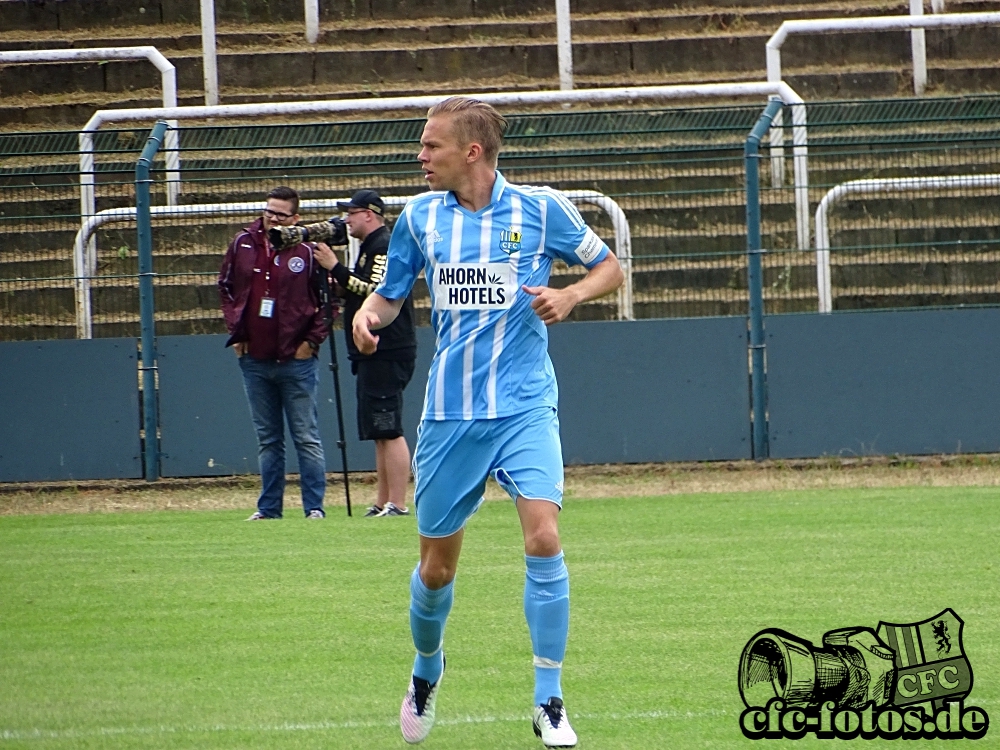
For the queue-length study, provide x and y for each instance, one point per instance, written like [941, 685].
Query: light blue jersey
[492, 349]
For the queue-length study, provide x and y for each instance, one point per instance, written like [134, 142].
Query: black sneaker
[373, 511]
[391, 510]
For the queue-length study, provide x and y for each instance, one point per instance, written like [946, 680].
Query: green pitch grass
[197, 630]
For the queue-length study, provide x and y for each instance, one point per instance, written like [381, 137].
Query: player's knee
[542, 541]
[436, 574]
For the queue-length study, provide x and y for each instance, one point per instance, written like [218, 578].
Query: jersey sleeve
[405, 259]
[567, 236]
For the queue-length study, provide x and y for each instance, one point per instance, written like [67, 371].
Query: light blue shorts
[454, 458]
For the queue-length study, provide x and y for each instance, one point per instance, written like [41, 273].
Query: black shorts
[380, 384]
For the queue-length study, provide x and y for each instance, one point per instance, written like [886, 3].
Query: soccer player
[487, 248]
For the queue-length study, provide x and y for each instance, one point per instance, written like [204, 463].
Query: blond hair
[475, 122]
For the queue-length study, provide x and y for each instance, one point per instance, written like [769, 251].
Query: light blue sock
[428, 613]
[546, 608]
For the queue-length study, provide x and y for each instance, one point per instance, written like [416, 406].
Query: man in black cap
[382, 376]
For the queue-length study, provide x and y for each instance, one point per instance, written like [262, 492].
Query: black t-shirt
[398, 340]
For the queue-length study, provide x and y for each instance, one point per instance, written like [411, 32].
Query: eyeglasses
[277, 214]
[359, 211]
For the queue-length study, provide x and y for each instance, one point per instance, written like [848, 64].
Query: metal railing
[869, 23]
[755, 282]
[84, 266]
[579, 96]
[564, 45]
[209, 63]
[874, 187]
[168, 78]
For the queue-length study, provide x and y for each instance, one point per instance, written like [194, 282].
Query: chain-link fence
[906, 200]
[39, 219]
[678, 174]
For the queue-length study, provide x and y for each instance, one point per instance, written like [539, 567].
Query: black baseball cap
[364, 199]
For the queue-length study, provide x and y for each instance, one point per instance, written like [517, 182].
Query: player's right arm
[404, 262]
[376, 312]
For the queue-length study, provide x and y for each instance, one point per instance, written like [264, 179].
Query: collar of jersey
[498, 187]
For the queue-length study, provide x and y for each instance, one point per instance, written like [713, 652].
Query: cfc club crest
[931, 666]
[510, 241]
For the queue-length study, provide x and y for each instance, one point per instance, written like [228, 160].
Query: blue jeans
[278, 391]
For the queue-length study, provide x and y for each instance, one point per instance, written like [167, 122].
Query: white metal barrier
[871, 23]
[918, 50]
[579, 96]
[312, 21]
[918, 45]
[869, 187]
[168, 79]
[564, 45]
[209, 63]
[85, 264]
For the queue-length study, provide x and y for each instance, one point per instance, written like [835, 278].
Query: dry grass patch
[582, 482]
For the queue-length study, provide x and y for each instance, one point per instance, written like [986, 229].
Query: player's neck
[477, 192]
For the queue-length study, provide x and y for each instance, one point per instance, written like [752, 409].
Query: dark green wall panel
[69, 410]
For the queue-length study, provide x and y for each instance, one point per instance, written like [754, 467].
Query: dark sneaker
[392, 510]
[551, 724]
[373, 511]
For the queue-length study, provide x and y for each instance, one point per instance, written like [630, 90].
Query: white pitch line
[47, 734]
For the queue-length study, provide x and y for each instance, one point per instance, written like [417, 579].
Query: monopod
[327, 300]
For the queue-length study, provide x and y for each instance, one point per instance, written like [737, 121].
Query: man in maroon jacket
[272, 309]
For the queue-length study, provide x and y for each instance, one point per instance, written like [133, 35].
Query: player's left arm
[555, 305]
[568, 238]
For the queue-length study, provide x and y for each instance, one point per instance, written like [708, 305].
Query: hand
[325, 256]
[364, 339]
[552, 305]
[304, 351]
[240, 348]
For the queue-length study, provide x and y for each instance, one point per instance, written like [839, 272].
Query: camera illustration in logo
[852, 668]
[898, 681]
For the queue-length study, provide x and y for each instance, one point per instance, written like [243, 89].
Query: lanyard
[268, 259]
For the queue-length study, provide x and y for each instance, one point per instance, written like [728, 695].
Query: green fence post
[151, 449]
[755, 279]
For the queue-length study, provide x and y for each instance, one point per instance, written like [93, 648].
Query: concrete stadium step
[364, 33]
[632, 44]
[62, 15]
[718, 56]
[661, 225]
[27, 112]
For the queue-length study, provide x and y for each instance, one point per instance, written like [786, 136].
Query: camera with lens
[333, 231]
[852, 668]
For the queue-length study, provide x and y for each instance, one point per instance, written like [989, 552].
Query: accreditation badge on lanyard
[267, 301]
